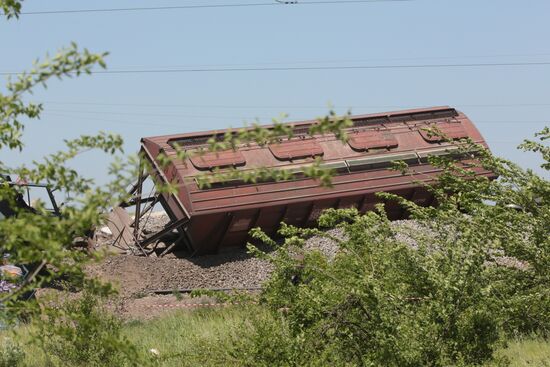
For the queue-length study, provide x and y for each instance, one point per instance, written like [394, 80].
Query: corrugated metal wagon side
[219, 217]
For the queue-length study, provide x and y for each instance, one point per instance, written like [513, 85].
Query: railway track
[215, 289]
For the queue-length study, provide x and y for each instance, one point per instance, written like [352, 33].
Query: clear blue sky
[507, 103]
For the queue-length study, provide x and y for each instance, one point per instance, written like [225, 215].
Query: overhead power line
[77, 116]
[323, 62]
[156, 114]
[314, 68]
[284, 107]
[205, 6]
[335, 67]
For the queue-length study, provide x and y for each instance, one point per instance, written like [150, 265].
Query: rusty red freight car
[220, 216]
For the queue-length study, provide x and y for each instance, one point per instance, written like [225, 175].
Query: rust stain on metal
[452, 130]
[210, 160]
[296, 148]
[372, 139]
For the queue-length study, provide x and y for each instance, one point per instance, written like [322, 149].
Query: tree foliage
[79, 332]
[11, 8]
[36, 238]
[442, 289]
[84, 333]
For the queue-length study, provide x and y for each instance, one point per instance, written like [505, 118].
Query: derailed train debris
[219, 217]
[22, 199]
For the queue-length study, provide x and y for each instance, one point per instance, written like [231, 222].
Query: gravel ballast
[138, 275]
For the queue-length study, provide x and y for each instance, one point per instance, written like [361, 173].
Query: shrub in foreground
[444, 290]
[82, 333]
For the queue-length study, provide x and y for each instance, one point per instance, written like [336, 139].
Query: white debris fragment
[106, 230]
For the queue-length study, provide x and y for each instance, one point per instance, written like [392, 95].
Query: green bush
[11, 354]
[82, 333]
[444, 292]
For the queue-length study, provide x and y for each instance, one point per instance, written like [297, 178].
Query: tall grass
[205, 337]
[200, 337]
[529, 352]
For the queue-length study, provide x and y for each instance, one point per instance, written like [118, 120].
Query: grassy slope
[191, 338]
[203, 337]
[528, 352]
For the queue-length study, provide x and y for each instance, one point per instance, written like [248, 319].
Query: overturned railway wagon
[210, 219]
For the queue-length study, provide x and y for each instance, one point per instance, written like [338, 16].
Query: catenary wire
[284, 107]
[205, 6]
[314, 68]
[152, 114]
[181, 124]
[332, 61]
